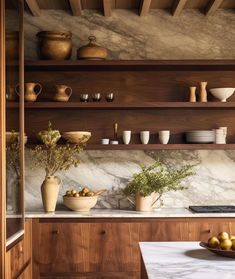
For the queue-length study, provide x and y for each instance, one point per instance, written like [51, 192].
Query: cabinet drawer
[201, 231]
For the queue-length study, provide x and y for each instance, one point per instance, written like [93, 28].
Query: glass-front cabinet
[14, 120]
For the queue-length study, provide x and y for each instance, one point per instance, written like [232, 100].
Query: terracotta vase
[50, 191]
[203, 92]
[146, 203]
[63, 93]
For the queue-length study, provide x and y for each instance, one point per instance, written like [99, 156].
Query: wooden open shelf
[120, 106]
[127, 65]
[149, 95]
[185, 146]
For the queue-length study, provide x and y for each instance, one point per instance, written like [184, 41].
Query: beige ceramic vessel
[63, 93]
[80, 204]
[144, 203]
[50, 191]
[92, 51]
[77, 136]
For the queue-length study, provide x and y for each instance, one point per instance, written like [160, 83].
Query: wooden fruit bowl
[223, 253]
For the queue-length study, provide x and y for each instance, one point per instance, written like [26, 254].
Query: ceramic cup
[104, 141]
[220, 137]
[114, 142]
[144, 137]
[164, 136]
[126, 136]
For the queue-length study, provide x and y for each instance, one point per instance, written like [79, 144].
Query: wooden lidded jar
[92, 51]
[54, 45]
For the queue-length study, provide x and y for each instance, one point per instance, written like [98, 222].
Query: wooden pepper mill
[192, 97]
[203, 93]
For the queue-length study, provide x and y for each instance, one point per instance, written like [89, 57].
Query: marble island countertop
[184, 260]
[114, 213]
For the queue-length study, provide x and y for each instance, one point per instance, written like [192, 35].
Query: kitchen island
[183, 260]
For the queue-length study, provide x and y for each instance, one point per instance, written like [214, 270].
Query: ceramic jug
[50, 191]
[63, 93]
[12, 93]
[30, 94]
[144, 203]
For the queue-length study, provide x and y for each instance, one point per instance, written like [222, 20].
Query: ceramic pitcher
[144, 203]
[63, 93]
[50, 191]
[30, 91]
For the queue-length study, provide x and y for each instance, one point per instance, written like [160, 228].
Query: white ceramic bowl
[76, 136]
[80, 204]
[222, 93]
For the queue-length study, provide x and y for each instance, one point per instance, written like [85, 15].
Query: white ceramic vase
[164, 136]
[126, 136]
[144, 137]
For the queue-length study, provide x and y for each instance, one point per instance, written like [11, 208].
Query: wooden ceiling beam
[212, 7]
[144, 7]
[107, 7]
[76, 7]
[178, 7]
[34, 8]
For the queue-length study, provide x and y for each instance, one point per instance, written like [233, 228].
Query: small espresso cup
[144, 137]
[126, 136]
[164, 136]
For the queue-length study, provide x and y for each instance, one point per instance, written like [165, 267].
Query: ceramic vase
[50, 191]
[164, 136]
[144, 203]
[192, 97]
[126, 136]
[144, 137]
[203, 92]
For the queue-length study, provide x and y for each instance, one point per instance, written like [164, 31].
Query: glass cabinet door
[14, 123]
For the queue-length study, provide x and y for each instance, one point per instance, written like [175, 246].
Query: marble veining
[184, 260]
[155, 36]
[214, 182]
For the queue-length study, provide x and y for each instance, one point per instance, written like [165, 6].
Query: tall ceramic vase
[203, 92]
[50, 191]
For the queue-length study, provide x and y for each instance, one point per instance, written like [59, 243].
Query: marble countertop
[112, 213]
[184, 260]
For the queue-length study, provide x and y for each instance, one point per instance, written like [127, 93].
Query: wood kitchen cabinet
[109, 248]
[18, 258]
[68, 247]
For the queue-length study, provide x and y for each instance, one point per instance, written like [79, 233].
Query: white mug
[126, 136]
[164, 136]
[220, 137]
[105, 141]
[144, 137]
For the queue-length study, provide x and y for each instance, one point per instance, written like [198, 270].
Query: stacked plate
[200, 136]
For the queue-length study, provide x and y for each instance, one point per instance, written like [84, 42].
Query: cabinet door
[97, 248]
[167, 230]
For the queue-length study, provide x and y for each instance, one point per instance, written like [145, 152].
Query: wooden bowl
[80, 204]
[76, 136]
[220, 252]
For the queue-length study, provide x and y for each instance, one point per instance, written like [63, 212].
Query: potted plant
[53, 158]
[152, 182]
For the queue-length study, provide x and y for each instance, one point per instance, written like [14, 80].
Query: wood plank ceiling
[175, 7]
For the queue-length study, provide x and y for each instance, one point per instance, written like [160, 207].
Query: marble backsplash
[214, 182]
[158, 35]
